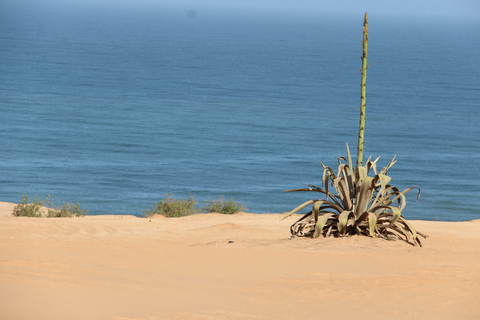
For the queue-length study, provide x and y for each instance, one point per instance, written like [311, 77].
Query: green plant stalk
[361, 131]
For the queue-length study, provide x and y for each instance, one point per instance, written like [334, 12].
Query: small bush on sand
[171, 207]
[40, 208]
[66, 210]
[223, 206]
[28, 209]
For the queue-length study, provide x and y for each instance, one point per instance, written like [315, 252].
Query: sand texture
[243, 266]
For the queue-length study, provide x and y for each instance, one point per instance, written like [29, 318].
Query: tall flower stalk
[361, 131]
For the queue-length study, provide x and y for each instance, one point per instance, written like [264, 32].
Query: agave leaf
[342, 190]
[331, 195]
[392, 162]
[307, 189]
[327, 173]
[396, 234]
[330, 206]
[364, 194]
[340, 160]
[315, 189]
[372, 223]
[400, 196]
[411, 188]
[341, 169]
[402, 201]
[384, 180]
[409, 227]
[305, 216]
[300, 207]
[419, 242]
[395, 214]
[316, 208]
[343, 220]
[374, 165]
[390, 196]
[361, 218]
[408, 190]
[349, 156]
[322, 220]
[329, 231]
[324, 176]
[368, 164]
[299, 224]
[403, 226]
[361, 223]
[351, 174]
[362, 173]
[422, 234]
[323, 190]
[301, 189]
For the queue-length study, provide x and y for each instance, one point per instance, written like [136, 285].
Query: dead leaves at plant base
[327, 226]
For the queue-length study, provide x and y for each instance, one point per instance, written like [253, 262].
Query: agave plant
[361, 204]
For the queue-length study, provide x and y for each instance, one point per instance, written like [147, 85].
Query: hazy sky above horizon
[415, 8]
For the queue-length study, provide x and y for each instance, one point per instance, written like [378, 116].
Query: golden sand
[243, 266]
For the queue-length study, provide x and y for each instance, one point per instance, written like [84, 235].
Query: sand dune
[244, 266]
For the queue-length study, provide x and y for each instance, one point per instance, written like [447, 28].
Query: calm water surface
[115, 108]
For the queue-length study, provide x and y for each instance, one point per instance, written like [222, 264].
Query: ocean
[114, 107]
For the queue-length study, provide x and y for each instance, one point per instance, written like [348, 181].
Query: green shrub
[223, 206]
[66, 210]
[27, 209]
[171, 207]
[38, 208]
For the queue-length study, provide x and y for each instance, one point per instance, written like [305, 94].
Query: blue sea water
[115, 107]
